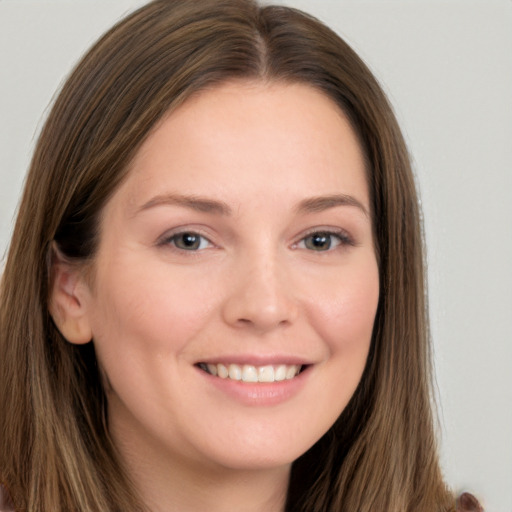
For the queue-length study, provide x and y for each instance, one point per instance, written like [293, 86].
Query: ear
[68, 300]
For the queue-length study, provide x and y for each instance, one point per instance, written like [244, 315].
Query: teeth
[212, 368]
[235, 372]
[290, 373]
[265, 374]
[250, 373]
[280, 373]
[222, 371]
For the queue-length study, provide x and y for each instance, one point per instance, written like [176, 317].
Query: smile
[250, 373]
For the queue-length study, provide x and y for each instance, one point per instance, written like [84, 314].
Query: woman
[214, 295]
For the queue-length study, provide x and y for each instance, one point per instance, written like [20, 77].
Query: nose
[260, 296]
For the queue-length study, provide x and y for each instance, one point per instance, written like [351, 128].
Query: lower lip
[259, 393]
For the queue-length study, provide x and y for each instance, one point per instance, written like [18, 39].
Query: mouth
[252, 373]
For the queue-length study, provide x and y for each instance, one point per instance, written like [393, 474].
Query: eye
[188, 241]
[322, 241]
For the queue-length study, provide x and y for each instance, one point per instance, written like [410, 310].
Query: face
[236, 283]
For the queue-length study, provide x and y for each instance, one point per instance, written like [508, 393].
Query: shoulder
[6, 504]
[468, 503]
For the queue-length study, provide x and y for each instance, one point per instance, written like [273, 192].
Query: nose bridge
[261, 295]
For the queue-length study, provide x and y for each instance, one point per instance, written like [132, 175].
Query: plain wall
[447, 67]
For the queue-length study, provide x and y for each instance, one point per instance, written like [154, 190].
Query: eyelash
[171, 240]
[343, 239]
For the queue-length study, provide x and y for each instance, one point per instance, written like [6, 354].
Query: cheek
[146, 322]
[149, 310]
[344, 313]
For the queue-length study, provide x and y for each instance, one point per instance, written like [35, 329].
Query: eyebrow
[207, 205]
[321, 203]
[197, 203]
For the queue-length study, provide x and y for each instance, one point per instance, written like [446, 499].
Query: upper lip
[256, 360]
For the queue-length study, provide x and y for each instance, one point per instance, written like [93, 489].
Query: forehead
[253, 137]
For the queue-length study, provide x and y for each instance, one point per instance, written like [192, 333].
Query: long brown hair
[55, 450]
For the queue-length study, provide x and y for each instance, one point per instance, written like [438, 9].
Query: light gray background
[447, 67]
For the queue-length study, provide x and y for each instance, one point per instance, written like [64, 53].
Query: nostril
[258, 307]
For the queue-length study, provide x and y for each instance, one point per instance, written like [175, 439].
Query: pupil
[189, 240]
[321, 241]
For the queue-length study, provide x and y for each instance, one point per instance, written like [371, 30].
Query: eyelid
[166, 240]
[343, 235]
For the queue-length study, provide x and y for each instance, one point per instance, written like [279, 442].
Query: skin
[256, 290]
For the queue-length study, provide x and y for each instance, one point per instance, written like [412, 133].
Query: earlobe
[67, 301]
